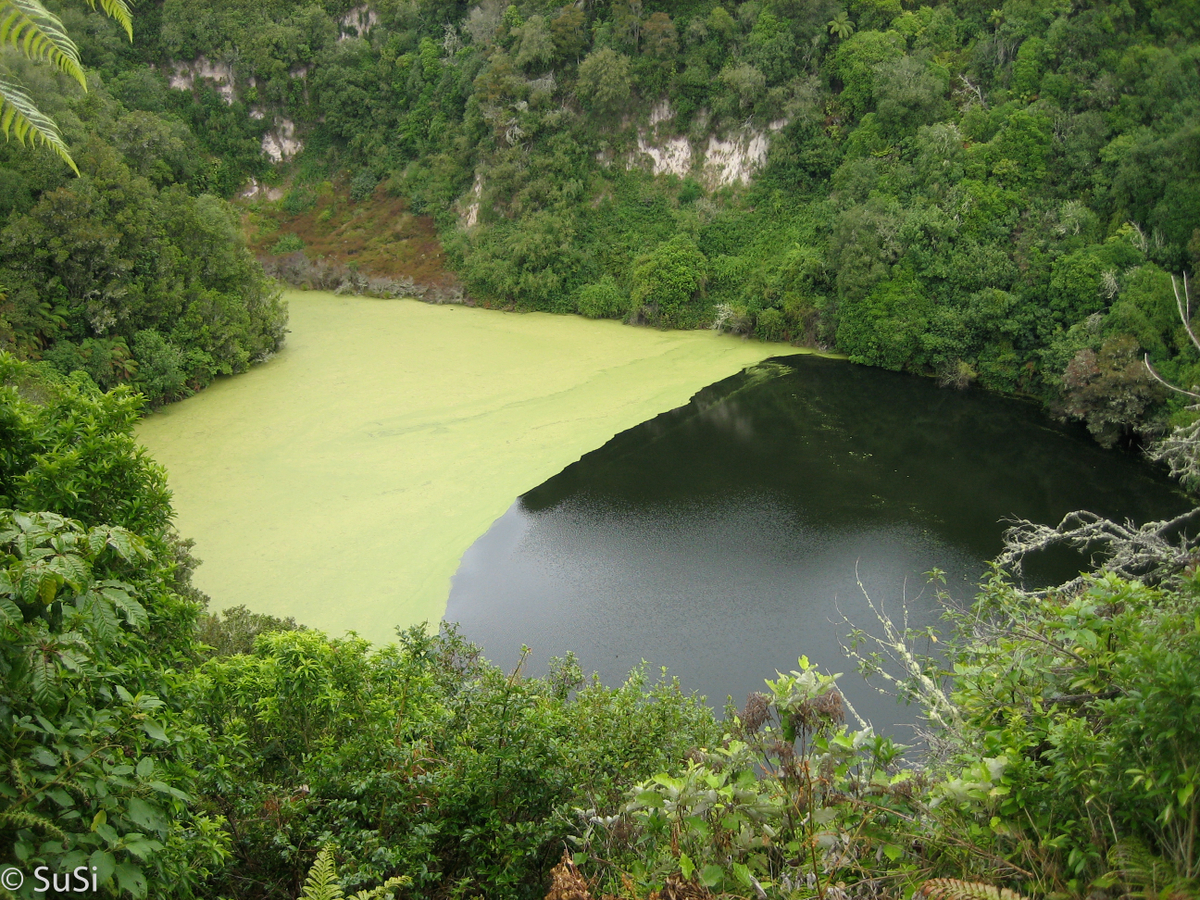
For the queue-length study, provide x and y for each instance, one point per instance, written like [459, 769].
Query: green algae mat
[341, 481]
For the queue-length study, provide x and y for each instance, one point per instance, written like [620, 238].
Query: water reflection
[725, 538]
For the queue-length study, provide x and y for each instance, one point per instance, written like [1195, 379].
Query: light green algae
[341, 482]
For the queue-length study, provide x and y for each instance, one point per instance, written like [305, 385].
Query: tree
[569, 29]
[661, 40]
[27, 26]
[841, 26]
[605, 80]
[536, 44]
[666, 280]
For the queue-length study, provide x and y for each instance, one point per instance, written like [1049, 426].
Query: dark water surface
[723, 539]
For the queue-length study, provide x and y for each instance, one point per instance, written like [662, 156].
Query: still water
[341, 482]
[727, 537]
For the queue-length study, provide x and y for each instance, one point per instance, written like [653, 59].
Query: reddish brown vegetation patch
[378, 236]
[566, 883]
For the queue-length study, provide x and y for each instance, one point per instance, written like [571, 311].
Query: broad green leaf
[650, 800]
[686, 866]
[105, 865]
[131, 879]
[10, 613]
[61, 797]
[711, 876]
[145, 814]
[154, 730]
[142, 847]
[742, 873]
[164, 788]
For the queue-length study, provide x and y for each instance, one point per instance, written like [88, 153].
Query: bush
[666, 281]
[602, 300]
[362, 186]
[162, 367]
[422, 760]
[298, 201]
[288, 243]
[770, 326]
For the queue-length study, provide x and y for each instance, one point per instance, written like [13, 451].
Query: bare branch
[1153, 552]
[1185, 308]
[1166, 383]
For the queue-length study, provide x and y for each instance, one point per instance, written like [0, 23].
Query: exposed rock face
[280, 142]
[672, 156]
[724, 160]
[471, 216]
[254, 189]
[734, 159]
[357, 22]
[221, 74]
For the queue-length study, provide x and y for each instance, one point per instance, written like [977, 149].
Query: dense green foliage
[1061, 759]
[986, 194]
[97, 742]
[1068, 757]
[187, 770]
[991, 195]
[132, 272]
[994, 195]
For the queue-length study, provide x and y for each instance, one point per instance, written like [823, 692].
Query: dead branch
[1153, 552]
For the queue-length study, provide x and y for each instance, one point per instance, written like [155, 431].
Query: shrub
[602, 300]
[298, 201]
[362, 186]
[288, 243]
[770, 326]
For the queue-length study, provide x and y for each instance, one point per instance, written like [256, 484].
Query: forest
[1001, 197]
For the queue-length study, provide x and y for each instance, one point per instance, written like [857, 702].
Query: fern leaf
[38, 34]
[19, 117]
[384, 890]
[954, 889]
[1138, 867]
[322, 883]
[118, 11]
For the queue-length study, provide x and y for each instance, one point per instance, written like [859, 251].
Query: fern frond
[31, 28]
[322, 883]
[954, 889]
[385, 889]
[1138, 867]
[19, 117]
[118, 10]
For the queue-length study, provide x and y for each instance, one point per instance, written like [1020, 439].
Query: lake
[622, 493]
[726, 538]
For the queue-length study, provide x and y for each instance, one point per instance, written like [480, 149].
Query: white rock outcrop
[221, 74]
[357, 22]
[280, 142]
[727, 160]
[734, 159]
[254, 189]
[471, 216]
